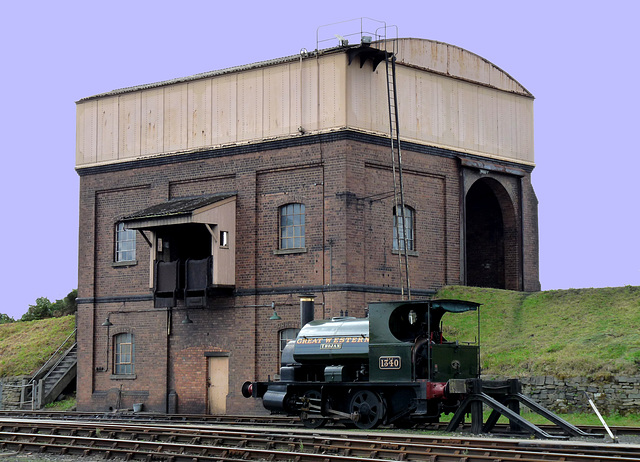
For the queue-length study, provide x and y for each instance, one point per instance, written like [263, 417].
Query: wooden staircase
[53, 377]
[58, 377]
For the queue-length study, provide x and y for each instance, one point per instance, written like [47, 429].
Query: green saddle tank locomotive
[393, 367]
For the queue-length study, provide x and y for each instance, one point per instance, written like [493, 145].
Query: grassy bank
[26, 346]
[579, 332]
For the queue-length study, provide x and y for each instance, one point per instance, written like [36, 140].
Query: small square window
[224, 238]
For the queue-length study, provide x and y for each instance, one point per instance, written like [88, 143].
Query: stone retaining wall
[617, 394]
[11, 389]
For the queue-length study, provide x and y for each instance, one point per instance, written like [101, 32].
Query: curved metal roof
[430, 55]
[456, 62]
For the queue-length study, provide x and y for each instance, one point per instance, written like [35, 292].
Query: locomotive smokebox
[307, 307]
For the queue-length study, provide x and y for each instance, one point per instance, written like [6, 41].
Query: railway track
[255, 420]
[203, 442]
[268, 420]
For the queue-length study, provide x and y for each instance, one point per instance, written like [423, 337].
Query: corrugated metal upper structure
[448, 97]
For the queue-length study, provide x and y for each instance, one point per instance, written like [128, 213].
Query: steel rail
[151, 417]
[133, 449]
[160, 440]
[261, 420]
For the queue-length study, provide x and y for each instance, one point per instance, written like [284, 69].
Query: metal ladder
[377, 55]
[396, 165]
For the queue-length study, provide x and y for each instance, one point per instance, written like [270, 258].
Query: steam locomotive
[394, 367]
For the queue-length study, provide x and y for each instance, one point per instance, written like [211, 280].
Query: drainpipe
[522, 228]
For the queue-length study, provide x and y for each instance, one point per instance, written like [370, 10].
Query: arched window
[124, 348]
[125, 243]
[292, 226]
[403, 229]
[286, 335]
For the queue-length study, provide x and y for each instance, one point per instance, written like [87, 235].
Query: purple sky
[579, 59]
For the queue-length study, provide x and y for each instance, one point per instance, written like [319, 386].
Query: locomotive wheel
[312, 422]
[369, 407]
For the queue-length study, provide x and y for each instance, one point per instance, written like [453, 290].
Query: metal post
[22, 397]
[604, 424]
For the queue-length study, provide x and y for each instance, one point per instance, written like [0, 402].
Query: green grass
[578, 419]
[565, 333]
[67, 404]
[26, 346]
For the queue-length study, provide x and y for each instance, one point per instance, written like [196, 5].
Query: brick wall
[149, 329]
[346, 185]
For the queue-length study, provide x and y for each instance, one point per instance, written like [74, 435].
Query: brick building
[209, 203]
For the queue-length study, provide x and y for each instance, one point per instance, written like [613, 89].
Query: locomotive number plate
[389, 362]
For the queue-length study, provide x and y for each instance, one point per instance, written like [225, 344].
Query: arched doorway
[491, 237]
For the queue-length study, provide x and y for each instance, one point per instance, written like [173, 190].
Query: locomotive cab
[407, 342]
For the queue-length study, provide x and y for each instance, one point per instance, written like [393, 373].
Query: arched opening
[491, 237]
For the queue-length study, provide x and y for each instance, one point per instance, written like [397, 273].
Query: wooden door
[218, 384]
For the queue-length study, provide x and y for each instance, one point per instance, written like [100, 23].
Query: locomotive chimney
[307, 307]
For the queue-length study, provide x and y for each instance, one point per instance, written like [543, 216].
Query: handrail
[22, 401]
[365, 23]
[33, 378]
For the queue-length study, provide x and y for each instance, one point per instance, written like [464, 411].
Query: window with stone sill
[124, 354]
[292, 226]
[404, 229]
[125, 250]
